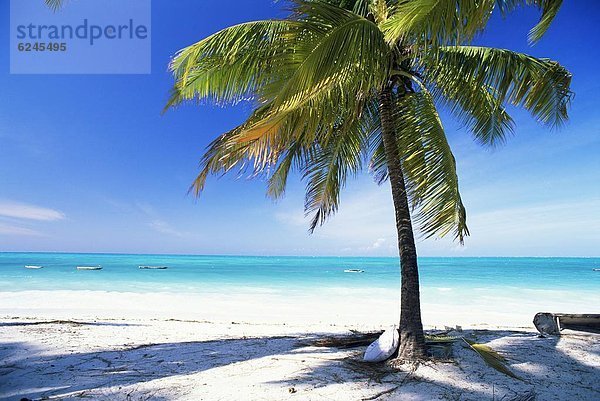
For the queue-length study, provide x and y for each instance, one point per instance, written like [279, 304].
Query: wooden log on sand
[553, 323]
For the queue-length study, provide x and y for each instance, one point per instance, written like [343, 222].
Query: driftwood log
[553, 323]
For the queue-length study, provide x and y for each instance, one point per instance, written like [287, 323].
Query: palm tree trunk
[412, 339]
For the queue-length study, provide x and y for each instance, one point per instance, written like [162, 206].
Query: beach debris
[384, 347]
[354, 340]
[553, 323]
[438, 345]
[440, 351]
[491, 357]
[37, 323]
[526, 396]
[407, 377]
[360, 339]
[381, 393]
[292, 390]
[456, 328]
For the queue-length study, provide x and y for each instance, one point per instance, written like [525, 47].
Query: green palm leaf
[429, 168]
[541, 86]
[477, 106]
[230, 65]
[437, 22]
[492, 358]
[326, 171]
[290, 158]
[338, 156]
[549, 9]
[339, 54]
[428, 165]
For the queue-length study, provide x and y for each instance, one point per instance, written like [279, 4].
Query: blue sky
[88, 164]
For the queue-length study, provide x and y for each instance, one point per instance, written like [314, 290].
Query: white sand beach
[368, 308]
[125, 346]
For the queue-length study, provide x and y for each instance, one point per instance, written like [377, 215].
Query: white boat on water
[154, 267]
[34, 267]
[89, 267]
[354, 271]
[596, 270]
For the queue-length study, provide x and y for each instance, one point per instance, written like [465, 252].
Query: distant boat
[596, 270]
[34, 267]
[354, 271]
[89, 267]
[154, 267]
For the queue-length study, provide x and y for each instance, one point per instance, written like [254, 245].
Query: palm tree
[343, 84]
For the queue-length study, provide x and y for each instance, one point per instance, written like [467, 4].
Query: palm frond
[336, 157]
[549, 9]
[326, 171]
[223, 155]
[233, 152]
[230, 65]
[492, 358]
[429, 168]
[378, 163]
[428, 165]
[436, 22]
[271, 148]
[444, 22]
[337, 57]
[338, 48]
[476, 106]
[541, 86]
[292, 156]
[359, 7]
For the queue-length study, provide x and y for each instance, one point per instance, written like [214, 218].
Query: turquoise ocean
[191, 274]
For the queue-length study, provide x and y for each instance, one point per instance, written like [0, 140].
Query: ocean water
[201, 274]
[504, 292]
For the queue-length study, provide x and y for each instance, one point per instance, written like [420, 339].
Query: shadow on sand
[40, 375]
[25, 372]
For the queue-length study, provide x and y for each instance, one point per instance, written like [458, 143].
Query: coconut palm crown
[345, 85]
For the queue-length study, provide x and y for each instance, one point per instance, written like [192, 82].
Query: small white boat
[34, 267]
[154, 267]
[354, 271]
[89, 267]
[596, 270]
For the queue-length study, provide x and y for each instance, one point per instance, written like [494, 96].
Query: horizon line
[288, 256]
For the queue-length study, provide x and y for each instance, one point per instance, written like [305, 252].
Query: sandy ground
[157, 358]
